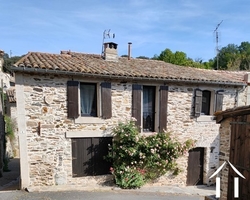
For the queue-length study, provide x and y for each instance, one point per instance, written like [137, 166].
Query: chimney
[110, 51]
[129, 50]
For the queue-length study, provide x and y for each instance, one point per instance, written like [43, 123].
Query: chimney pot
[129, 50]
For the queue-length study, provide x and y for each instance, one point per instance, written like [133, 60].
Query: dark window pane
[88, 99]
[148, 108]
[206, 96]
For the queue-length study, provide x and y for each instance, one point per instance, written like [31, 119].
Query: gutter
[129, 78]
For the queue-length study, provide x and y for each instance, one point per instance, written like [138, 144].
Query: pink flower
[111, 170]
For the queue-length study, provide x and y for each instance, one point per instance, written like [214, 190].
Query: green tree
[180, 58]
[229, 57]
[244, 50]
[167, 56]
[211, 64]
[9, 61]
[143, 57]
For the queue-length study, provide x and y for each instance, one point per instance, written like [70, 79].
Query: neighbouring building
[12, 146]
[68, 103]
[235, 148]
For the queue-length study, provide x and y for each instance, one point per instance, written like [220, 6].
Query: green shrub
[9, 127]
[138, 159]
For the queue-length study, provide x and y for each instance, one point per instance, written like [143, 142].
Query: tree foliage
[9, 61]
[180, 58]
[234, 57]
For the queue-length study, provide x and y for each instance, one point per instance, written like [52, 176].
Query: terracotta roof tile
[95, 64]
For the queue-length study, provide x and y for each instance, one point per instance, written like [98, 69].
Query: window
[207, 102]
[88, 99]
[87, 104]
[206, 98]
[88, 156]
[149, 107]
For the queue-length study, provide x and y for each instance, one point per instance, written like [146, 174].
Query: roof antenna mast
[106, 34]
[217, 41]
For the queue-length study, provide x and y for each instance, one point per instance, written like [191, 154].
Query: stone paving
[10, 180]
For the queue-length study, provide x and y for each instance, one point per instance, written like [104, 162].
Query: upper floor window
[149, 107]
[89, 99]
[206, 102]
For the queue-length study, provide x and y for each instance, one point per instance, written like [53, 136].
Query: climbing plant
[138, 159]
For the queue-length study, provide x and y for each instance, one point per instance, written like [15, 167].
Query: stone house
[68, 103]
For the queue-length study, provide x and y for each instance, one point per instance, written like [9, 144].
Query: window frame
[96, 100]
[158, 97]
[154, 109]
[209, 104]
[214, 95]
[104, 101]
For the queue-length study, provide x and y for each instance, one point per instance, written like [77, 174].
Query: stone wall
[225, 135]
[202, 129]
[42, 102]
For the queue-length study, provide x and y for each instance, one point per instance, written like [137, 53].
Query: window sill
[205, 118]
[87, 133]
[89, 120]
[148, 133]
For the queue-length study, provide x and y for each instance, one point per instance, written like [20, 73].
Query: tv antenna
[217, 41]
[106, 34]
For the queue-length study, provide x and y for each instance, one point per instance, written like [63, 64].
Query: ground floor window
[88, 156]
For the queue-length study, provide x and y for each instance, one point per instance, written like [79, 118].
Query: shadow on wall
[213, 162]
[88, 154]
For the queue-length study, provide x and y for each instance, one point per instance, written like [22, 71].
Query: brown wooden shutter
[136, 103]
[197, 102]
[163, 108]
[72, 95]
[106, 100]
[218, 101]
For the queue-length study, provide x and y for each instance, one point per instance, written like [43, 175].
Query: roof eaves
[139, 78]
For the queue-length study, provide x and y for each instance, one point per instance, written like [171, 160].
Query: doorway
[195, 166]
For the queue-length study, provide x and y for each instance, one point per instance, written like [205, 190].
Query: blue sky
[151, 25]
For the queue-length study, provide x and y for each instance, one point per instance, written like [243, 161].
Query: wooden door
[195, 166]
[240, 156]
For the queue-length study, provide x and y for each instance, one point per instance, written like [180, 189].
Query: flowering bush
[138, 159]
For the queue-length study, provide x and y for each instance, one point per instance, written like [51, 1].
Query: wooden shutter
[136, 103]
[72, 95]
[218, 101]
[106, 100]
[88, 156]
[163, 108]
[197, 102]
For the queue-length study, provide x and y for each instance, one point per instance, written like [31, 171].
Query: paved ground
[9, 185]
[97, 195]
[10, 180]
